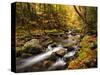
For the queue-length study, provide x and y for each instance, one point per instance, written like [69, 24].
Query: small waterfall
[49, 48]
[69, 54]
[38, 58]
[59, 62]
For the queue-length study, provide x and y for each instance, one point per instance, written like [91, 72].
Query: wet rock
[32, 43]
[33, 46]
[47, 63]
[60, 53]
[26, 55]
[53, 57]
[54, 45]
[46, 42]
[38, 66]
[32, 50]
[70, 49]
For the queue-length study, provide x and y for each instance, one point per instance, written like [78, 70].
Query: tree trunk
[83, 17]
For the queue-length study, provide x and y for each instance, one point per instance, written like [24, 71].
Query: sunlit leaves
[86, 55]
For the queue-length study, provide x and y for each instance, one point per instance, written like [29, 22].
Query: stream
[30, 63]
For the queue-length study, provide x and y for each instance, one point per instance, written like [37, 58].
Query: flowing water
[59, 62]
[38, 58]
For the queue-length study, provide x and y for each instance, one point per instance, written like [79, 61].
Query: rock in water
[53, 57]
[60, 53]
[26, 55]
[47, 63]
[32, 43]
[33, 46]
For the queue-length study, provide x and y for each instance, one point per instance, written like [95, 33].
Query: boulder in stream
[33, 46]
[32, 43]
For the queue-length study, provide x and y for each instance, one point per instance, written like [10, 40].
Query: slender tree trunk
[83, 17]
[28, 27]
